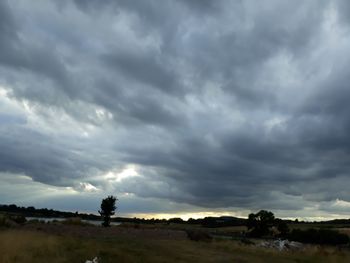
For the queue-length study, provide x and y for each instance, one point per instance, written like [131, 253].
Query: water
[50, 219]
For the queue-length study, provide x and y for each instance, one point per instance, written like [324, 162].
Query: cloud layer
[205, 105]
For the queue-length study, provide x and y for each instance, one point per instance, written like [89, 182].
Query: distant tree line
[31, 211]
[222, 221]
[210, 222]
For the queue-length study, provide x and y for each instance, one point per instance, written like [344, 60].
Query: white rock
[281, 244]
[95, 260]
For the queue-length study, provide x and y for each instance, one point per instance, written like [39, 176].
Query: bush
[319, 236]
[76, 221]
[7, 221]
[4, 221]
[19, 219]
[282, 227]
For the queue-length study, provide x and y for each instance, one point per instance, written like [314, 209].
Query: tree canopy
[261, 223]
[108, 207]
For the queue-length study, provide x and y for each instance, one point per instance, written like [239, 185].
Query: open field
[45, 243]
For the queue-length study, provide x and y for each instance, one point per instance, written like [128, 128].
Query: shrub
[6, 221]
[76, 221]
[319, 236]
[282, 227]
[19, 219]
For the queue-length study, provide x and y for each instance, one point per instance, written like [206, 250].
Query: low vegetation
[18, 246]
[212, 239]
[75, 221]
[7, 220]
[319, 236]
[264, 222]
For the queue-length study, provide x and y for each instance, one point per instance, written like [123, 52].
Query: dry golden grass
[17, 246]
[345, 230]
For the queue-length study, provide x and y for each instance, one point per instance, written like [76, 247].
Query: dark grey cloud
[147, 70]
[44, 158]
[217, 104]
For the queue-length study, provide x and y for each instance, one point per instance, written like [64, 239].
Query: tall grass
[7, 221]
[4, 221]
[18, 246]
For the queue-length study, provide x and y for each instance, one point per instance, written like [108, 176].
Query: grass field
[29, 246]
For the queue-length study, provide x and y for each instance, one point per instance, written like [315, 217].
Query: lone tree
[260, 223]
[108, 208]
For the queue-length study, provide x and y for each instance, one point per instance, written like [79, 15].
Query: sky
[180, 108]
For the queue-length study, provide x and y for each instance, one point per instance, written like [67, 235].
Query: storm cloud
[227, 106]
